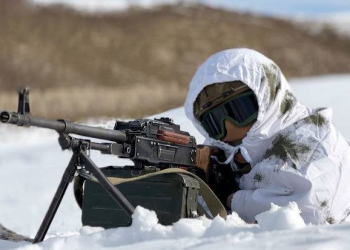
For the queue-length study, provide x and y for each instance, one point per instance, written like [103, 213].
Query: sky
[284, 8]
[289, 8]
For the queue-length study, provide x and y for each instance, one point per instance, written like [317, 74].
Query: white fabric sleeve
[249, 203]
[244, 204]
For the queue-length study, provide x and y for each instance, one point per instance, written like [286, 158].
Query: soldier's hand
[204, 153]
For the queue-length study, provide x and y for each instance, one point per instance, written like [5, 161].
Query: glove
[219, 177]
[203, 157]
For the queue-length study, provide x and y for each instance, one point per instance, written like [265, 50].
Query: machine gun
[157, 143]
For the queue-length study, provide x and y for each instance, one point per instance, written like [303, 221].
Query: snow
[281, 218]
[340, 22]
[326, 91]
[93, 6]
[31, 165]
[201, 233]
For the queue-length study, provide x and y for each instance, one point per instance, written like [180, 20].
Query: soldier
[241, 103]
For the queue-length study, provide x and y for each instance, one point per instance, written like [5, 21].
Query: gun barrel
[62, 126]
[6, 117]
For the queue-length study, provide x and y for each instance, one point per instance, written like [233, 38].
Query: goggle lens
[241, 110]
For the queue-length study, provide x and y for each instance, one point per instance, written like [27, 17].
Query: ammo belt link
[214, 204]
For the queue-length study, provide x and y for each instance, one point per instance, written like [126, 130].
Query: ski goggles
[240, 110]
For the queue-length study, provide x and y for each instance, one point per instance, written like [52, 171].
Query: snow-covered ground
[31, 165]
[339, 22]
[92, 6]
[327, 91]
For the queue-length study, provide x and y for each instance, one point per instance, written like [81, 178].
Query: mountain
[126, 63]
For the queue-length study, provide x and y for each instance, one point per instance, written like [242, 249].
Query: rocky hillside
[64, 53]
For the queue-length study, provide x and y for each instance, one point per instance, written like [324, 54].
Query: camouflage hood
[278, 108]
[296, 153]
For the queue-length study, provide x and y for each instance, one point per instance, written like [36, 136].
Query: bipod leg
[56, 201]
[116, 195]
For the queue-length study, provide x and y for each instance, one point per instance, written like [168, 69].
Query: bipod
[80, 160]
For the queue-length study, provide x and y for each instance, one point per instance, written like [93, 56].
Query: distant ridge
[56, 47]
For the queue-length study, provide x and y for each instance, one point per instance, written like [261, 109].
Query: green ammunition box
[171, 196]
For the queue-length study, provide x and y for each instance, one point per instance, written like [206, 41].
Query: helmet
[232, 101]
[209, 97]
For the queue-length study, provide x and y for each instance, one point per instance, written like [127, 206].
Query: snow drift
[31, 165]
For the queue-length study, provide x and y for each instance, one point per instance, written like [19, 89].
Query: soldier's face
[235, 133]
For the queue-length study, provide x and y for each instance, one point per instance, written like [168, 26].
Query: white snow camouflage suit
[296, 153]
